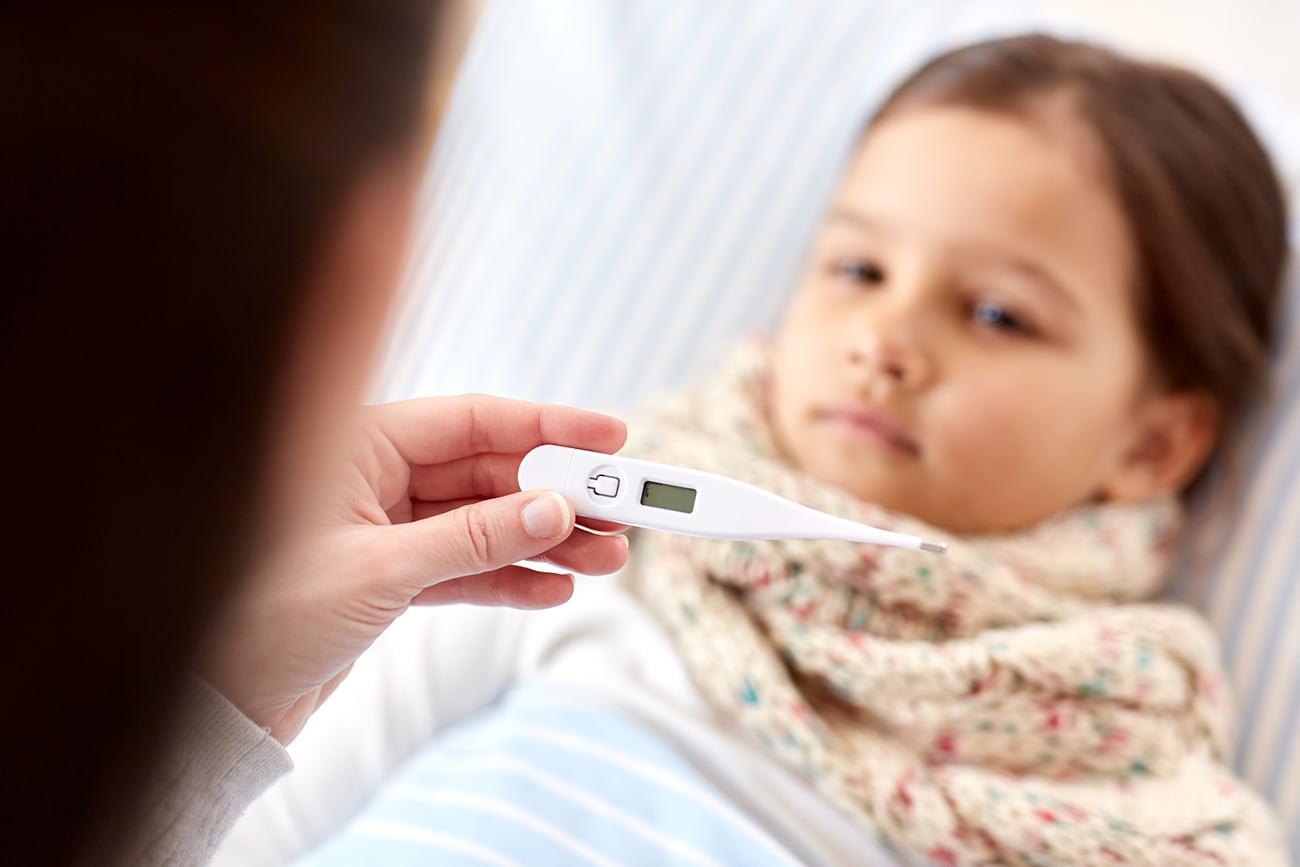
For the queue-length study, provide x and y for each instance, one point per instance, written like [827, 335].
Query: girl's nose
[884, 345]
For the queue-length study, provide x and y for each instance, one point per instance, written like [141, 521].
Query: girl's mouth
[869, 426]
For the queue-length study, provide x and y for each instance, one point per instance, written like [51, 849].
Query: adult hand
[429, 512]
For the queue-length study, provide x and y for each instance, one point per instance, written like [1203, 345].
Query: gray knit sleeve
[219, 763]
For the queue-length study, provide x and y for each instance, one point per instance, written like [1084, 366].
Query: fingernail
[546, 516]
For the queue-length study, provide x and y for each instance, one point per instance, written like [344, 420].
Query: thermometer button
[604, 485]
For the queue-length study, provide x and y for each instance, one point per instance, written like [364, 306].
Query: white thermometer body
[690, 502]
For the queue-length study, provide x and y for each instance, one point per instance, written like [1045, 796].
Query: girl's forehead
[1000, 165]
[1008, 156]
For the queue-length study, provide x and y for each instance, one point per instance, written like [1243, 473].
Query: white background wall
[1238, 42]
[1249, 42]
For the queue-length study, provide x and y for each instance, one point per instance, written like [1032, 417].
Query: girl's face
[964, 347]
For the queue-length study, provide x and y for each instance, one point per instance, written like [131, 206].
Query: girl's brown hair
[1205, 208]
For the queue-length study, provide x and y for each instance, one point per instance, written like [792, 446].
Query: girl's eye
[859, 271]
[994, 315]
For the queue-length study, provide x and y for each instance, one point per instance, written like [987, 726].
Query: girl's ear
[1172, 439]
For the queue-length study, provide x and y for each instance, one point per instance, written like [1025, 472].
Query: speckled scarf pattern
[1011, 702]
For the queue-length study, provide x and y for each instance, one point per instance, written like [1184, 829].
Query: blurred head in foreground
[202, 208]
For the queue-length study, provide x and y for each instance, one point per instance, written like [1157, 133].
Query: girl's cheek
[980, 422]
[803, 356]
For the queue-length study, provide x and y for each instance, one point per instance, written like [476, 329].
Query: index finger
[434, 430]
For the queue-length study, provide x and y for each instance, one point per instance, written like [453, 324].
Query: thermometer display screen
[671, 497]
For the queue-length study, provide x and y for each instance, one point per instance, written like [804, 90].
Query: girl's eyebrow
[844, 214]
[1043, 277]
[1035, 272]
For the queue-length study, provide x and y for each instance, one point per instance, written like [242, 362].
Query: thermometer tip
[934, 547]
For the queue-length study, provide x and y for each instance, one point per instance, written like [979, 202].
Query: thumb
[481, 537]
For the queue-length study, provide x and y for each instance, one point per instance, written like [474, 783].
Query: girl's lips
[870, 426]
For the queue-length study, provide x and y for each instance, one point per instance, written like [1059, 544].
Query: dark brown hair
[1205, 209]
[168, 171]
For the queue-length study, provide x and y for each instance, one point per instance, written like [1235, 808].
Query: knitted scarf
[1010, 702]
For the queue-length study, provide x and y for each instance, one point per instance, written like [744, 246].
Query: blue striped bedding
[621, 189]
[545, 780]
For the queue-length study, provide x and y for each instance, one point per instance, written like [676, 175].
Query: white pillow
[620, 190]
[1240, 564]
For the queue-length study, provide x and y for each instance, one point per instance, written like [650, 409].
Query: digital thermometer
[691, 502]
